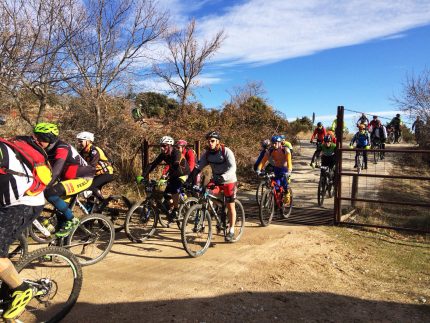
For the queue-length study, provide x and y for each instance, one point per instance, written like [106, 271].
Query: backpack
[35, 159]
[271, 150]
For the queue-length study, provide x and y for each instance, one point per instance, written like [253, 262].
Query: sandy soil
[284, 272]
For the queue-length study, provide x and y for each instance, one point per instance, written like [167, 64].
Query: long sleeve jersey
[319, 134]
[281, 158]
[222, 163]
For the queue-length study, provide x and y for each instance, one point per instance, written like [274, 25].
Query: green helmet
[47, 132]
[136, 113]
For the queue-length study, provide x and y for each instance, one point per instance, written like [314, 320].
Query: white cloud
[265, 31]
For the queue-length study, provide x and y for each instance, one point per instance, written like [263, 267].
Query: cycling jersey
[396, 122]
[178, 165]
[319, 134]
[332, 135]
[362, 139]
[362, 120]
[13, 187]
[328, 151]
[281, 158]
[189, 155]
[379, 133]
[223, 165]
[96, 157]
[67, 164]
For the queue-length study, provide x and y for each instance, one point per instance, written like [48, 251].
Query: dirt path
[284, 272]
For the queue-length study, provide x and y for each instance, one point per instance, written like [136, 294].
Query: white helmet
[85, 135]
[167, 140]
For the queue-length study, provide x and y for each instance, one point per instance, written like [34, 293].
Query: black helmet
[319, 124]
[398, 115]
[213, 134]
[375, 117]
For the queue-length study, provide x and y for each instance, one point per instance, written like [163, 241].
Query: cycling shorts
[76, 185]
[173, 185]
[13, 221]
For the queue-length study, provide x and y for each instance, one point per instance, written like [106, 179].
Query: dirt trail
[283, 272]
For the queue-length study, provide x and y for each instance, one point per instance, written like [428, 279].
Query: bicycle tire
[391, 138]
[18, 249]
[260, 191]
[239, 226]
[322, 186]
[287, 209]
[196, 231]
[140, 221]
[183, 209]
[116, 210]
[360, 162]
[95, 232]
[41, 267]
[36, 234]
[267, 208]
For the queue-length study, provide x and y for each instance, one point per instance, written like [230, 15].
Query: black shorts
[13, 221]
[173, 185]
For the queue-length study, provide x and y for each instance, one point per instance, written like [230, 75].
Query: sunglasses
[212, 140]
[164, 146]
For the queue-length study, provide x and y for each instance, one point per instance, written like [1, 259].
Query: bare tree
[240, 94]
[186, 60]
[114, 38]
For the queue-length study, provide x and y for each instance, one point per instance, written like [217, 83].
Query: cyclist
[319, 134]
[188, 153]
[362, 140]
[286, 143]
[418, 126]
[265, 145]
[283, 164]
[19, 206]
[330, 132]
[97, 158]
[379, 136]
[223, 164]
[328, 152]
[362, 120]
[178, 168]
[396, 123]
[373, 123]
[70, 174]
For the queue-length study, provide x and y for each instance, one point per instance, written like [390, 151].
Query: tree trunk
[42, 107]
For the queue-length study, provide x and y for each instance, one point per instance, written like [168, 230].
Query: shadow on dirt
[253, 307]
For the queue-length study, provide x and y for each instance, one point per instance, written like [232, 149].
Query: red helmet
[181, 142]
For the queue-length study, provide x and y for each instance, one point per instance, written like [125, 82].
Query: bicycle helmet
[319, 124]
[398, 115]
[375, 117]
[361, 127]
[181, 142]
[46, 132]
[327, 138]
[167, 140]
[85, 135]
[265, 143]
[276, 139]
[213, 134]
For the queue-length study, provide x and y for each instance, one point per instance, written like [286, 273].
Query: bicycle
[18, 249]
[90, 241]
[55, 275]
[143, 216]
[325, 184]
[317, 154]
[377, 155]
[196, 231]
[274, 199]
[359, 160]
[261, 188]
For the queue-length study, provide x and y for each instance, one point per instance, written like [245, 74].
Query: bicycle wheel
[92, 239]
[360, 163]
[391, 138]
[267, 208]
[43, 228]
[260, 190]
[240, 221]
[196, 231]
[183, 209]
[322, 186]
[57, 276]
[116, 210]
[288, 208]
[141, 221]
[18, 249]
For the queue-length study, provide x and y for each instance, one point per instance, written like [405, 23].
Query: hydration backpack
[35, 159]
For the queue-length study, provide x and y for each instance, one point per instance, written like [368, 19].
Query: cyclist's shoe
[355, 165]
[21, 296]
[172, 216]
[312, 165]
[365, 166]
[287, 199]
[382, 157]
[229, 237]
[67, 228]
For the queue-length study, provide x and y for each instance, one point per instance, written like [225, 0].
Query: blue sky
[312, 55]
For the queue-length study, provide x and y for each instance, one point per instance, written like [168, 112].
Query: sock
[9, 274]
[61, 206]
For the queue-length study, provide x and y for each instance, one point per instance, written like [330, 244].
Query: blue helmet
[276, 139]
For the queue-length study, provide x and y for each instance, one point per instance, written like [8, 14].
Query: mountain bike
[90, 241]
[55, 275]
[317, 154]
[142, 218]
[274, 199]
[261, 188]
[325, 185]
[359, 160]
[377, 155]
[196, 231]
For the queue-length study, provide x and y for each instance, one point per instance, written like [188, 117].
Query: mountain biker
[188, 153]
[379, 136]
[223, 164]
[362, 140]
[328, 152]
[396, 123]
[283, 164]
[330, 132]
[362, 120]
[70, 174]
[97, 158]
[265, 145]
[18, 208]
[418, 126]
[178, 170]
[286, 143]
[319, 134]
[373, 123]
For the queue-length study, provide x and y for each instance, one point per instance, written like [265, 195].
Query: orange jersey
[281, 158]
